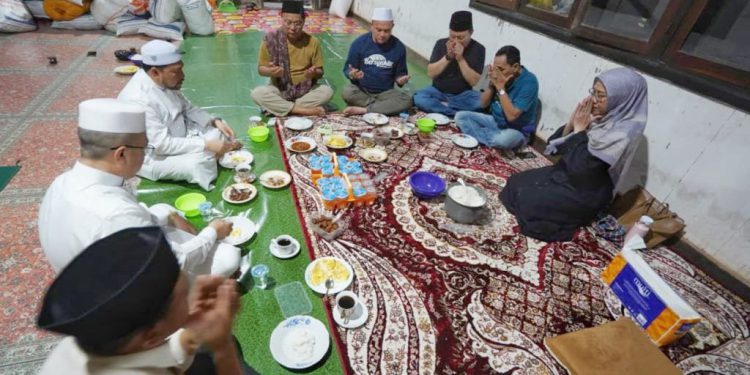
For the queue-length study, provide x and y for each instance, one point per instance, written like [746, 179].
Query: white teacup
[347, 302]
[243, 172]
[284, 244]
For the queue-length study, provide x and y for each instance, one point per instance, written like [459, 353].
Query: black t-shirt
[450, 81]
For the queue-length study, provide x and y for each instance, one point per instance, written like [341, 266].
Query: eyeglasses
[597, 94]
[146, 149]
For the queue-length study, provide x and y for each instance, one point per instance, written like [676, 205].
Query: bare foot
[308, 111]
[349, 111]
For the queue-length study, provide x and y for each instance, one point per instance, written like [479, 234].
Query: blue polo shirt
[523, 92]
[381, 63]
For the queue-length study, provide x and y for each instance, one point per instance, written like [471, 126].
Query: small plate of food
[300, 144]
[298, 123]
[373, 155]
[234, 158]
[239, 193]
[299, 342]
[440, 119]
[275, 179]
[464, 140]
[336, 269]
[337, 141]
[394, 132]
[375, 118]
[243, 230]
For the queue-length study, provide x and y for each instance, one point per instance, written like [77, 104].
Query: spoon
[329, 285]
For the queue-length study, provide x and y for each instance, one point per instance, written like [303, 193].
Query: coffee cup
[284, 244]
[346, 301]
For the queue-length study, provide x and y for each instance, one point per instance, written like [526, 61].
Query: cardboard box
[663, 314]
[614, 348]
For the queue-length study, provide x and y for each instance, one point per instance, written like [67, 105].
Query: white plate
[126, 69]
[358, 317]
[346, 138]
[464, 140]
[298, 123]
[391, 128]
[283, 336]
[373, 155]
[228, 189]
[311, 142]
[375, 118]
[338, 285]
[440, 119]
[276, 174]
[275, 250]
[243, 230]
[234, 158]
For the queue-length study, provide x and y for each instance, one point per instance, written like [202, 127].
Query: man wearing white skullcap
[91, 201]
[375, 62]
[186, 139]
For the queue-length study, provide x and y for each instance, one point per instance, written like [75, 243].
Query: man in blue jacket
[375, 62]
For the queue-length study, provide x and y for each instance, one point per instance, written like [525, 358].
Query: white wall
[697, 151]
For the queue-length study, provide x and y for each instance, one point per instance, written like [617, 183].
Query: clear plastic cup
[260, 275]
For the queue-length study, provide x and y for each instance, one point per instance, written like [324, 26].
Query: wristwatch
[501, 92]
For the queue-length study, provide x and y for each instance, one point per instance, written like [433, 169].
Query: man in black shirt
[455, 67]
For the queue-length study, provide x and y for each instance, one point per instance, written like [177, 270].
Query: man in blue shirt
[455, 67]
[511, 96]
[375, 62]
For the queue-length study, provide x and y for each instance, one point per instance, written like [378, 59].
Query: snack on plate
[236, 232]
[337, 141]
[300, 146]
[328, 268]
[275, 181]
[325, 223]
[236, 194]
[237, 158]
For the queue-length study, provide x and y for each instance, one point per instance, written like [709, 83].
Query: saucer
[358, 317]
[275, 250]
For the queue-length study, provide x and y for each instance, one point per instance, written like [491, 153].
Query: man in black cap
[455, 67]
[128, 309]
[293, 60]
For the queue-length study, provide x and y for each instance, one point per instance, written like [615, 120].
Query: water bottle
[640, 228]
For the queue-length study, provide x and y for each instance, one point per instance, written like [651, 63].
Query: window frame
[504, 4]
[673, 54]
[551, 17]
[661, 32]
[653, 63]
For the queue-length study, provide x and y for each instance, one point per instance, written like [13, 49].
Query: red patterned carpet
[447, 298]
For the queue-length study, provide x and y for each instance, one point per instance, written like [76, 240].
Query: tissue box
[663, 314]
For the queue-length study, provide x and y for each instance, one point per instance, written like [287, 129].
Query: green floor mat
[6, 174]
[220, 73]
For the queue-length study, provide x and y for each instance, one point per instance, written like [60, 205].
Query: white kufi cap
[382, 14]
[112, 116]
[160, 53]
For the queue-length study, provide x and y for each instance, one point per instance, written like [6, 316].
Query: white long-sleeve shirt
[86, 204]
[170, 117]
[68, 358]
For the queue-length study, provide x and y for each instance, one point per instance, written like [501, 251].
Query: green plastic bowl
[188, 203]
[426, 125]
[258, 133]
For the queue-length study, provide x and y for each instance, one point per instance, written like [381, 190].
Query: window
[703, 45]
[556, 12]
[714, 40]
[634, 25]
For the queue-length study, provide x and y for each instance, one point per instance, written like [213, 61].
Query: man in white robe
[90, 201]
[186, 139]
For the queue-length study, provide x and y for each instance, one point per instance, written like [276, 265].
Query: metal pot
[463, 213]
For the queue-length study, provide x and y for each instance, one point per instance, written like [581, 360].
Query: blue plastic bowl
[426, 185]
